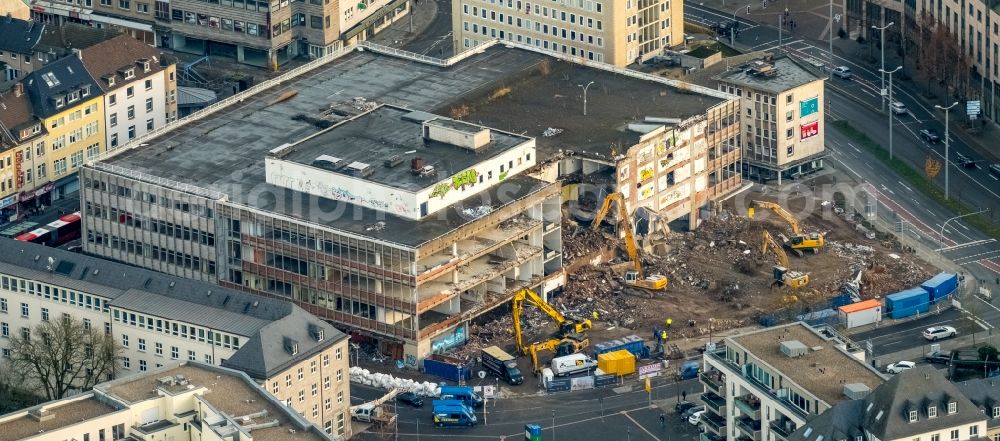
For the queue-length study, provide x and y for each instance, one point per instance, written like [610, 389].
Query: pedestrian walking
[663, 420]
[684, 395]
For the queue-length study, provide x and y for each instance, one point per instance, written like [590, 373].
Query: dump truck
[502, 364]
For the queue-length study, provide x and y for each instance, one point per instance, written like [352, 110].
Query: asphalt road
[907, 335]
[592, 414]
[436, 40]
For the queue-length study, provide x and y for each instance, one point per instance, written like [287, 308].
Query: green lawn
[918, 179]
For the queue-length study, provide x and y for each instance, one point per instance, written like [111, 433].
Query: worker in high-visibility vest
[595, 315]
[663, 335]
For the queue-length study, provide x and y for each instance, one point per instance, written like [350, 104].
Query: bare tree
[63, 355]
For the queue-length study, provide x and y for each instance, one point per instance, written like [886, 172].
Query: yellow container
[620, 362]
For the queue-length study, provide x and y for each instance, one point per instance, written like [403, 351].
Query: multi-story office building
[767, 383]
[160, 319]
[618, 32]
[264, 33]
[18, 39]
[412, 224]
[15, 8]
[140, 89]
[55, 121]
[183, 400]
[782, 122]
[918, 404]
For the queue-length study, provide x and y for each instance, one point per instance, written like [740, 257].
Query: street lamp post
[732, 34]
[553, 425]
[947, 144]
[945, 224]
[881, 32]
[585, 96]
[890, 110]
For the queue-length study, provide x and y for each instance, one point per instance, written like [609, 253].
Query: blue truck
[464, 394]
[689, 369]
[449, 368]
[451, 413]
[941, 286]
[906, 303]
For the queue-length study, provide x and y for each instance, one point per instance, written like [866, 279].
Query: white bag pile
[388, 382]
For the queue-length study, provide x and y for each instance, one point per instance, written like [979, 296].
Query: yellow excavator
[799, 240]
[635, 277]
[782, 275]
[572, 332]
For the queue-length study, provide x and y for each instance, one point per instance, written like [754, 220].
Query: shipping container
[941, 286]
[861, 313]
[632, 343]
[620, 362]
[906, 303]
[447, 368]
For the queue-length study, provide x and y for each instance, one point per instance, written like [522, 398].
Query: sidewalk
[809, 20]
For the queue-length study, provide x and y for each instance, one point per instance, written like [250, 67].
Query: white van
[571, 364]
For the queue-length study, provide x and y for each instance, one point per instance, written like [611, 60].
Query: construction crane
[566, 326]
[635, 277]
[570, 344]
[782, 275]
[799, 240]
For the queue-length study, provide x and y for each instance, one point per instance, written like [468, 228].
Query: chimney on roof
[18, 89]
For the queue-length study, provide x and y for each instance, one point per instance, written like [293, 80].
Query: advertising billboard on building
[808, 106]
[808, 130]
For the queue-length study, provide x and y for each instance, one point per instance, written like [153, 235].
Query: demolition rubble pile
[580, 241]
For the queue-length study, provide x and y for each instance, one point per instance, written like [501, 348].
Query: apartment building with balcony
[51, 121]
[140, 88]
[918, 404]
[782, 122]
[765, 384]
[613, 32]
[183, 400]
[160, 320]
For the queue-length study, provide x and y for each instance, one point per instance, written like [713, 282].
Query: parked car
[898, 108]
[411, 399]
[692, 411]
[695, 418]
[842, 72]
[939, 357]
[929, 135]
[964, 161]
[683, 406]
[899, 366]
[939, 332]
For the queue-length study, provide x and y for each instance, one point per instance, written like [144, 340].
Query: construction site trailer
[861, 313]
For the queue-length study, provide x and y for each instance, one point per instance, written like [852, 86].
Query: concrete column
[240, 56]
[454, 249]
[454, 276]
[378, 286]
[378, 259]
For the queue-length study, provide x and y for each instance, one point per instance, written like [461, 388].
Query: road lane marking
[904, 186]
[989, 255]
[916, 202]
[967, 244]
[963, 226]
[639, 425]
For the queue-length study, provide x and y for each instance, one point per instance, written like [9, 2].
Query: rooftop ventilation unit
[793, 348]
[393, 161]
[856, 391]
[762, 69]
[328, 162]
[359, 169]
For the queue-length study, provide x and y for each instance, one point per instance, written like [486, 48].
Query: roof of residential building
[227, 391]
[886, 412]
[54, 81]
[776, 75]
[63, 413]
[389, 131]
[195, 96]
[265, 354]
[110, 58]
[822, 370]
[15, 111]
[19, 36]
[62, 39]
[984, 393]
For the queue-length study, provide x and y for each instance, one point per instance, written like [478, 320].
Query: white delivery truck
[571, 364]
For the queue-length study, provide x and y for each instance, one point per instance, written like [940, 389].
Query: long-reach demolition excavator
[635, 277]
[782, 275]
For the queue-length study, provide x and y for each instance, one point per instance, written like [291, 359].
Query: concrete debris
[477, 212]
[362, 105]
[377, 226]
[551, 131]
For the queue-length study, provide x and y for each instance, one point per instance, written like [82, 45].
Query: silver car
[842, 72]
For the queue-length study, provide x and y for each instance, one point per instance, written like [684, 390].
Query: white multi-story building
[765, 384]
[160, 319]
[185, 400]
[140, 92]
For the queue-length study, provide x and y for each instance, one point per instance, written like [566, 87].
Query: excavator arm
[630, 245]
[792, 221]
[533, 298]
[767, 241]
